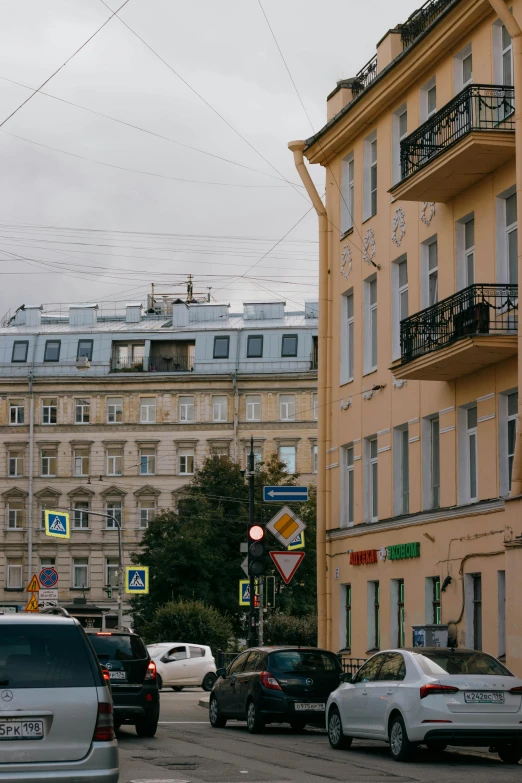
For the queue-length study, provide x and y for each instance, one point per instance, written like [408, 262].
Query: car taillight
[269, 681]
[151, 671]
[106, 674]
[435, 688]
[104, 731]
[516, 689]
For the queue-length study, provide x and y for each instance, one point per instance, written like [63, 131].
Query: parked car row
[424, 696]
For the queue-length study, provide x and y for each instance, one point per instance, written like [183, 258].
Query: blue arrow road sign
[285, 494]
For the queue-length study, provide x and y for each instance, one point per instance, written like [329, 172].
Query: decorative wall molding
[369, 246]
[399, 384]
[446, 410]
[485, 397]
[347, 404]
[398, 226]
[486, 418]
[383, 448]
[446, 429]
[427, 212]
[356, 440]
[333, 465]
[413, 421]
[346, 262]
[383, 432]
[414, 440]
[357, 457]
[329, 451]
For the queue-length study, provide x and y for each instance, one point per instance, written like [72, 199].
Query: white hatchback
[179, 664]
[430, 696]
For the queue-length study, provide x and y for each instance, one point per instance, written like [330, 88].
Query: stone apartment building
[418, 522]
[112, 412]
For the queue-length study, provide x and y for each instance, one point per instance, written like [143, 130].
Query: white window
[371, 479]
[507, 236]
[49, 410]
[80, 572]
[431, 462]
[114, 509]
[14, 574]
[512, 411]
[347, 337]
[81, 461]
[347, 192]
[15, 463]
[314, 459]
[428, 99]
[401, 470]
[47, 562]
[315, 406]
[80, 517]
[148, 410]
[258, 455]
[399, 132]
[503, 55]
[44, 506]
[219, 409]
[508, 414]
[287, 407]
[16, 412]
[114, 461]
[186, 408]
[399, 302]
[347, 486]
[287, 455]
[465, 241]
[370, 325]
[48, 459]
[429, 267]
[82, 411]
[463, 69]
[370, 176]
[15, 514]
[147, 512]
[253, 407]
[112, 568]
[186, 462]
[114, 410]
[468, 454]
[147, 461]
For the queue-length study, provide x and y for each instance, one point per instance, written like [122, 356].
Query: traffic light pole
[252, 631]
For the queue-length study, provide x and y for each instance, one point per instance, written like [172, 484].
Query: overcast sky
[92, 232]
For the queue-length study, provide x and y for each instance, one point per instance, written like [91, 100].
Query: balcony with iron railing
[463, 333]
[421, 19]
[471, 136]
[153, 364]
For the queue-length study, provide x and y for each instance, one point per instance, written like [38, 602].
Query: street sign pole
[261, 609]
[252, 634]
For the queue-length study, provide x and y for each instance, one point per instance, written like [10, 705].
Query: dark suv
[275, 685]
[133, 680]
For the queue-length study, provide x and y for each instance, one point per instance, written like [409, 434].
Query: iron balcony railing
[479, 107]
[350, 665]
[477, 309]
[365, 77]
[421, 19]
[154, 364]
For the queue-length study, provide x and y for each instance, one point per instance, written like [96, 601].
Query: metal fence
[479, 107]
[421, 19]
[153, 364]
[477, 309]
[365, 77]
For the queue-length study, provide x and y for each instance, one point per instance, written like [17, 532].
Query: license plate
[118, 675]
[299, 706]
[21, 729]
[483, 697]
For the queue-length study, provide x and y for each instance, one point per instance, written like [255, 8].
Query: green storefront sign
[403, 551]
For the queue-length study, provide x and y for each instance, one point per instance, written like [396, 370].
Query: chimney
[83, 315]
[180, 313]
[339, 97]
[29, 315]
[388, 48]
[133, 312]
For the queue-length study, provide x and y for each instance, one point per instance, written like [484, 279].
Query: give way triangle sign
[287, 563]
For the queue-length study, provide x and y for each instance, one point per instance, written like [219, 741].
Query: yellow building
[418, 341]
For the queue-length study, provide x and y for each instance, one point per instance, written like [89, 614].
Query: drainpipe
[236, 395]
[514, 30]
[31, 466]
[297, 148]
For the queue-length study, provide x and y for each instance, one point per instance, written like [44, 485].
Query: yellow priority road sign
[286, 526]
[57, 524]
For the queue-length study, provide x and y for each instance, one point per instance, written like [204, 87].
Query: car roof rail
[55, 610]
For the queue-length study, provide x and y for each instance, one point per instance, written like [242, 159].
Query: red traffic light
[256, 533]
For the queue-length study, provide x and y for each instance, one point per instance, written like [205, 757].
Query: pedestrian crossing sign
[137, 579]
[57, 524]
[298, 542]
[244, 593]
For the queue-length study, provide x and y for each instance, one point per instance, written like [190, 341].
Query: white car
[430, 696]
[179, 664]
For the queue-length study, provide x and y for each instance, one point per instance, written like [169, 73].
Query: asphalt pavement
[187, 750]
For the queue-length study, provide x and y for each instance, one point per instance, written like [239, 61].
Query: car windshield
[118, 647]
[464, 662]
[297, 661]
[45, 656]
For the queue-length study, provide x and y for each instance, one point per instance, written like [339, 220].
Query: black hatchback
[134, 686]
[275, 685]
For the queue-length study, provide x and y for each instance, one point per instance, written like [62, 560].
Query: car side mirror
[345, 677]
[221, 673]
[166, 659]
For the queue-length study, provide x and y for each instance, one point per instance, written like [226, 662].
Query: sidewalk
[204, 700]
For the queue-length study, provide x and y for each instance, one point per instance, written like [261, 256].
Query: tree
[190, 620]
[287, 629]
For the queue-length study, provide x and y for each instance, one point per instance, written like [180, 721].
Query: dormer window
[255, 346]
[289, 345]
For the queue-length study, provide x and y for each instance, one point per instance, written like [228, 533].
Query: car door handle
[364, 693]
[389, 693]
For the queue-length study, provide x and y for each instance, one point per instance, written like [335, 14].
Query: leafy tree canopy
[191, 621]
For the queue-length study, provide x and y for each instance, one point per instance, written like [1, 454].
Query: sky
[94, 210]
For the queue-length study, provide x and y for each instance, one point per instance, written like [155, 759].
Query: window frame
[80, 509]
[294, 353]
[371, 326]
[401, 470]
[218, 338]
[47, 411]
[147, 518]
[76, 565]
[115, 410]
[15, 455]
[400, 295]
[397, 137]
[115, 508]
[53, 456]
[10, 567]
[347, 194]
[253, 404]
[147, 406]
[288, 405]
[48, 344]
[109, 569]
[186, 457]
[114, 457]
[82, 403]
[186, 406]
[293, 456]
[81, 458]
[371, 488]
[370, 178]
[347, 342]
[15, 345]
[88, 356]
[250, 339]
[150, 460]
[221, 406]
[15, 512]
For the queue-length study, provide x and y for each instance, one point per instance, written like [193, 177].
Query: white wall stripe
[486, 418]
[414, 440]
[384, 448]
[356, 440]
[333, 465]
[486, 397]
[413, 421]
[334, 448]
[446, 410]
[447, 429]
[383, 432]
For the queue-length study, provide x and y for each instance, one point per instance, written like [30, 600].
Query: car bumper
[130, 707]
[473, 737]
[100, 765]
[283, 709]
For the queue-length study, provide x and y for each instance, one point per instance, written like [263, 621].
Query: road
[187, 750]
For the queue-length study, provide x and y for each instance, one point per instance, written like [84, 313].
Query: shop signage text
[402, 551]
[363, 557]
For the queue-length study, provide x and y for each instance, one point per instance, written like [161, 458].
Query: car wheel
[208, 681]
[160, 681]
[217, 720]
[436, 747]
[255, 723]
[177, 688]
[147, 728]
[400, 746]
[298, 725]
[338, 741]
[510, 754]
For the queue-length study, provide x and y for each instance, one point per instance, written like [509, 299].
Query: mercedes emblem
[7, 695]
[309, 681]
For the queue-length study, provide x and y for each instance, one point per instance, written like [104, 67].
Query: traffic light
[256, 550]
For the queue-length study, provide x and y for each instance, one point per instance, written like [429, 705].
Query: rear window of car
[447, 662]
[296, 661]
[118, 647]
[45, 656]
